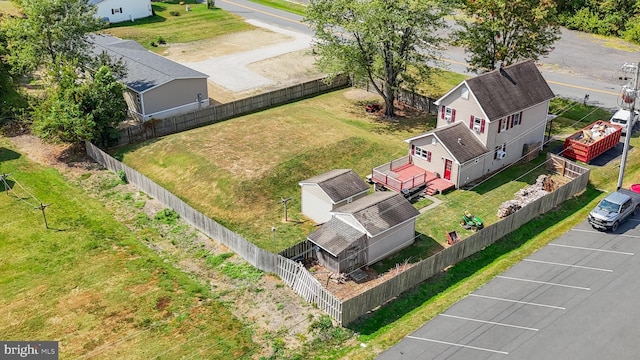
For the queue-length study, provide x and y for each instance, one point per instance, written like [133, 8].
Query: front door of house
[447, 169]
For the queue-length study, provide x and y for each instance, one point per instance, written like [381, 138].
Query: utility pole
[42, 207]
[627, 136]
[284, 202]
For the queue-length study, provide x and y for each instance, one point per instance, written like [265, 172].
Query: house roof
[460, 142]
[504, 91]
[379, 211]
[335, 236]
[339, 184]
[145, 70]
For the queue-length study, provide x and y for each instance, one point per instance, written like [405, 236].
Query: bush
[167, 216]
[123, 176]
[161, 41]
[174, 13]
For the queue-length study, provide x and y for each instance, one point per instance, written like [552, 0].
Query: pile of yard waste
[544, 184]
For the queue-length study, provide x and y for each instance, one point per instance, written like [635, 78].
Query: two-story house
[484, 124]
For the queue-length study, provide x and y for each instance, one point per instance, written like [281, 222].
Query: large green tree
[506, 31]
[82, 109]
[390, 44]
[50, 33]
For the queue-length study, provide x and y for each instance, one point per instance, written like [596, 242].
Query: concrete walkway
[435, 200]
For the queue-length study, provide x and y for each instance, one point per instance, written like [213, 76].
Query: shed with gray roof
[156, 86]
[323, 193]
[365, 231]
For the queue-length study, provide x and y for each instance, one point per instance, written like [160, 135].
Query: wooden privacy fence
[291, 272]
[304, 283]
[213, 114]
[359, 305]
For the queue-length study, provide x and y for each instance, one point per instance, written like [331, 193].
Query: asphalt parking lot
[576, 298]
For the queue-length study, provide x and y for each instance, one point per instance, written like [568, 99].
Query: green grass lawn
[237, 171]
[198, 24]
[90, 284]
[288, 6]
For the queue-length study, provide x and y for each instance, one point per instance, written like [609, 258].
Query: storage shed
[156, 86]
[323, 193]
[365, 231]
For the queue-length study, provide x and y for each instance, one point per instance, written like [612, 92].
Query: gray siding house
[156, 86]
[323, 193]
[484, 124]
[365, 231]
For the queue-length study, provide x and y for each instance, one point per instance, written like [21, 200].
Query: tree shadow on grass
[457, 274]
[8, 154]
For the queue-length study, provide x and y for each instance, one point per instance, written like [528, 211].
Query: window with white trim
[477, 124]
[422, 153]
[503, 124]
[448, 112]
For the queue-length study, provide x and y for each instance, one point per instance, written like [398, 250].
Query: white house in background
[323, 193]
[156, 86]
[122, 10]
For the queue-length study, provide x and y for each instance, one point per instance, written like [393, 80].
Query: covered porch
[401, 174]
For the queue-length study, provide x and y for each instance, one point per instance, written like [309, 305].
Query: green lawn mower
[471, 222]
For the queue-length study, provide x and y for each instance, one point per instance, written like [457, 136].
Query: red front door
[447, 169]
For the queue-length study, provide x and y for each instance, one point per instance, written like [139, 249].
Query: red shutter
[471, 122]
[442, 112]
[482, 127]
[512, 116]
[520, 122]
[413, 149]
[453, 115]
[500, 125]
[429, 156]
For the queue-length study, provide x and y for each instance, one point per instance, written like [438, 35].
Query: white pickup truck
[614, 210]
[621, 117]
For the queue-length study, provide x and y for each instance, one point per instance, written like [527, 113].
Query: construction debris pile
[598, 131]
[544, 185]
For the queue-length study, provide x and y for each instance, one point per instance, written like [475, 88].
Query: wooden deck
[409, 176]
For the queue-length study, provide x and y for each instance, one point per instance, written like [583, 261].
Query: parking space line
[592, 249]
[489, 322]
[568, 265]
[602, 232]
[460, 345]
[544, 282]
[519, 302]
[631, 236]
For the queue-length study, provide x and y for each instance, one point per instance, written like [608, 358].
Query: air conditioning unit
[501, 154]
[476, 128]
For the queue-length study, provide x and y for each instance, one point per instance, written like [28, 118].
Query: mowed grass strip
[197, 24]
[237, 171]
[88, 283]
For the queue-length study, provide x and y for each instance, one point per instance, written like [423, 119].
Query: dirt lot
[284, 70]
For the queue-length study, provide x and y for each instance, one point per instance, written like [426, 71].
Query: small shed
[156, 86]
[323, 193]
[365, 231]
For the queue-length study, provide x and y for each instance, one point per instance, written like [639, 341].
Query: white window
[503, 124]
[448, 112]
[477, 124]
[422, 153]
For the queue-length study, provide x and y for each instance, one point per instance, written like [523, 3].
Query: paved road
[580, 64]
[576, 298]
